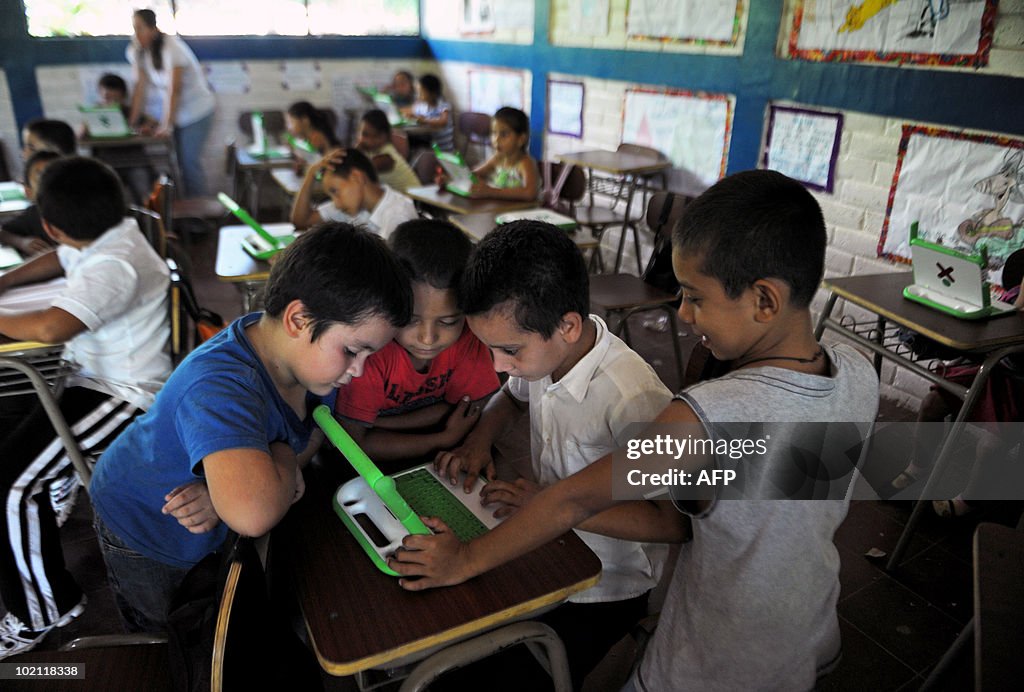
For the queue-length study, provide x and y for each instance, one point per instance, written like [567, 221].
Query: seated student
[42, 134]
[308, 124]
[113, 91]
[422, 392]
[511, 173]
[752, 603]
[25, 231]
[527, 290]
[433, 111]
[356, 196]
[237, 414]
[402, 89]
[113, 316]
[374, 140]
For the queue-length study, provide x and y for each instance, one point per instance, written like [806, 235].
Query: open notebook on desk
[381, 510]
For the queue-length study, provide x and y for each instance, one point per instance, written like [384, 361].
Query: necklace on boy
[816, 356]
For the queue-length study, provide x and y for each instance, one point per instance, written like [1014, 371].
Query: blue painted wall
[963, 99]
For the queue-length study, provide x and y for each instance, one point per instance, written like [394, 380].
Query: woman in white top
[166, 63]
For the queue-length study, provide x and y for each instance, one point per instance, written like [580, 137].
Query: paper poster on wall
[699, 21]
[589, 17]
[513, 14]
[965, 191]
[565, 108]
[941, 32]
[228, 77]
[691, 128]
[477, 17]
[489, 90]
[300, 75]
[803, 144]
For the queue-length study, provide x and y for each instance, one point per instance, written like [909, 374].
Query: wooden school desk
[449, 203]
[248, 173]
[360, 618]
[135, 152]
[476, 226]
[882, 294]
[628, 166]
[236, 266]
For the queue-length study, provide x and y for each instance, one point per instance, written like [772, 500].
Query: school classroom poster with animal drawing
[943, 32]
[965, 191]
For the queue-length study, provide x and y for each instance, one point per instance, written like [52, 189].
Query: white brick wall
[9, 129]
[514, 21]
[1006, 56]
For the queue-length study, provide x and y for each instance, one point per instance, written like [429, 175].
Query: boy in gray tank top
[752, 602]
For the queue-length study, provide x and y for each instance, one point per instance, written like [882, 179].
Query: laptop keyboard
[11, 196]
[429, 498]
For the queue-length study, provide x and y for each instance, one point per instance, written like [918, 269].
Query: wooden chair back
[273, 123]
[425, 167]
[400, 141]
[476, 129]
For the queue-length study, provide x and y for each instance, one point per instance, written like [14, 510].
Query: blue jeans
[142, 587]
[189, 141]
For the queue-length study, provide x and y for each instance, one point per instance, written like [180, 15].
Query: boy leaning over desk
[752, 602]
[112, 314]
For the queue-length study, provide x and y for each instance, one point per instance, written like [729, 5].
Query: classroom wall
[513, 22]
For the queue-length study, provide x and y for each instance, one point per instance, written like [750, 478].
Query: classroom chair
[205, 211]
[476, 132]
[425, 167]
[624, 295]
[646, 181]
[563, 201]
[400, 141]
[273, 123]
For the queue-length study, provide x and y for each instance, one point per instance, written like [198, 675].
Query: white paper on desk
[33, 297]
[9, 257]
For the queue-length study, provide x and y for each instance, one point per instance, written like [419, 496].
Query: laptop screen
[949, 272]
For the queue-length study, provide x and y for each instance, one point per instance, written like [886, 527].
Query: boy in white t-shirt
[113, 317]
[374, 140]
[356, 195]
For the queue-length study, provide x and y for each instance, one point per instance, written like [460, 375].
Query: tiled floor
[895, 626]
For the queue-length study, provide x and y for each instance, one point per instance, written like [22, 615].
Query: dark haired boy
[25, 231]
[752, 602]
[237, 414]
[526, 295]
[356, 195]
[374, 140]
[433, 111]
[112, 315]
[43, 134]
[423, 391]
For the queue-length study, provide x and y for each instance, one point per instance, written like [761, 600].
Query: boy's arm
[304, 214]
[385, 445]
[250, 489]
[474, 455]
[25, 244]
[42, 268]
[50, 326]
[442, 560]
[420, 418]
[383, 163]
[647, 521]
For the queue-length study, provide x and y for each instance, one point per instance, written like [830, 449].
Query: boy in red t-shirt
[423, 392]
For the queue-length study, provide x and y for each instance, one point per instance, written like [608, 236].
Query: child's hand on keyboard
[511, 496]
[436, 559]
[469, 458]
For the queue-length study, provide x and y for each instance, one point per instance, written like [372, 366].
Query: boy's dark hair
[516, 120]
[55, 134]
[433, 252]
[80, 196]
[317, 120]
[532, 265]
[756, 225]
[44, 156]
[377, 119]
[431, 84]
[113, 82]
[355, 160]
[343, 275]
[407, 74]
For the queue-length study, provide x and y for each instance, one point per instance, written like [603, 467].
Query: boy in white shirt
[113, 317]
[356, 195]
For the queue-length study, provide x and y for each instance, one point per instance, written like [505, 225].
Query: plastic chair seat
[197, 208]
[624, 292]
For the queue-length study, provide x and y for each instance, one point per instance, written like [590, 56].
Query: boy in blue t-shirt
[237, 414]
[423, 392]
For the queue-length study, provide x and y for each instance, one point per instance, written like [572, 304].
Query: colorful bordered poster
[691, 128]
[713, 22]
[565, 108]
[803, 144]
[489, 90]
[965, 191]
[939, 32]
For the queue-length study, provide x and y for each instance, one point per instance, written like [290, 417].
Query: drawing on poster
[920, 31]
[489, 90]
[691, 128]
[715, 21]
[565, 108]
[803, 144]
[589, 17]
[965, 191]
[477, 17]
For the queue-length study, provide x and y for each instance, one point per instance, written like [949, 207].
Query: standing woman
[167, 64]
